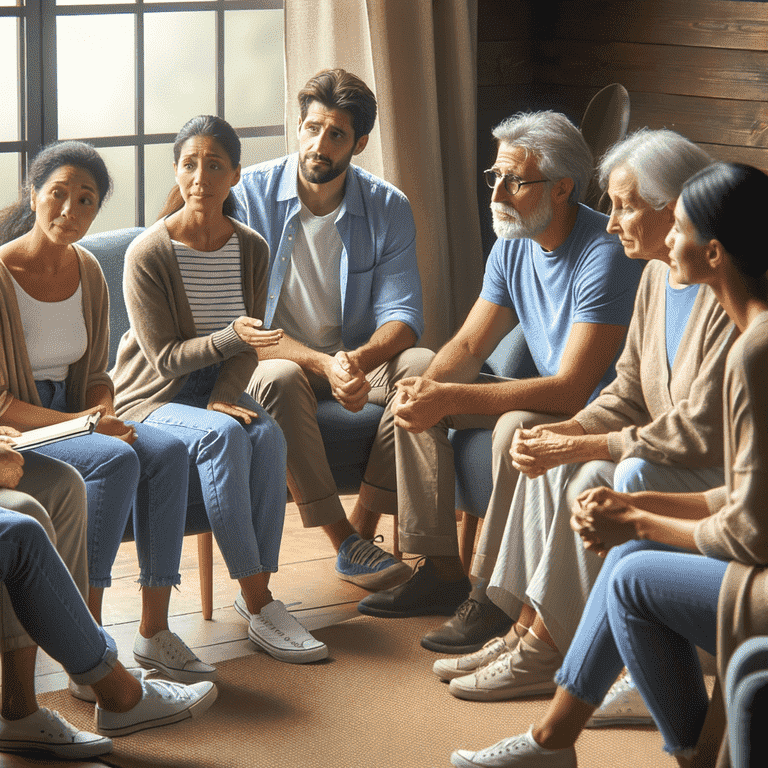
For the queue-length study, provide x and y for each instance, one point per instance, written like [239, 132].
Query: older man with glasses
[556, 270]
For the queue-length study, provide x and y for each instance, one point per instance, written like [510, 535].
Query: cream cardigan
[161, 348]
[672, 417]
[16, 379]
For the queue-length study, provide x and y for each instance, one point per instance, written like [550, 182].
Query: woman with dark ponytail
[195, 287]
[54, 322]
[682, 570]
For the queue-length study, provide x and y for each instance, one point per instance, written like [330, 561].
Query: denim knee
[631, 475]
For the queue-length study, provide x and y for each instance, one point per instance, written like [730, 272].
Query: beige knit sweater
[161, 349]
[16, 379]
[675, 416]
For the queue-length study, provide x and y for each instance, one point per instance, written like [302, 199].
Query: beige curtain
[419, 57]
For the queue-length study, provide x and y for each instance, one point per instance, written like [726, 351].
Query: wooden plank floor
[306, 583]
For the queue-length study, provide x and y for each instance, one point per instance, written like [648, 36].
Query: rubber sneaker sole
[500, 694]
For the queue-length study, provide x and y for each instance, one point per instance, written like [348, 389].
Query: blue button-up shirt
[378, 274]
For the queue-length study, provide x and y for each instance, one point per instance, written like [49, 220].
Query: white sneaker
[622, 705]
[527, 671]
[161, 703]
[515, 752]
[47, 731]
[448, 669]
[169, 654]
[86, 693]
[280, 634]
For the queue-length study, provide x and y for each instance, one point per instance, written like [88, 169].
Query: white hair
[662, 161]
[555, 142]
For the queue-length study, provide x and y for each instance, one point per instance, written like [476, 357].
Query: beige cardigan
[161, 348]
[671, 417]
[16, 379]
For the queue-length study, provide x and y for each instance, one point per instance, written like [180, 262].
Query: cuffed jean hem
[322, 512]
[377, 499]
[166, 581]
[688, 754]
[253, 572]
[100, 583]
[104, 666]
[561, 682]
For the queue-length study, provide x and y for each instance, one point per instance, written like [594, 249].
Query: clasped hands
[536, 450]
[419, 404]
[604, 518]
[349, 385]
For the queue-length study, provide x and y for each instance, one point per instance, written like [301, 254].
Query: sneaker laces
[366, 553]
[163, 689]
[624, 683]
[57, 725]
[176, 648]
[498, 666]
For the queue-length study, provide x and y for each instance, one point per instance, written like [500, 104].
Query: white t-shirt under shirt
[213, 284]
[54, 332]
[309, 308]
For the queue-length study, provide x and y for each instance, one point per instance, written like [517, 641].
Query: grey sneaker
[162, 703]
[47, 731]
[278, 633]
[622, 705]
[448, 669]
[515, 752]
[527, 671]
[362, 563]
[169, 654]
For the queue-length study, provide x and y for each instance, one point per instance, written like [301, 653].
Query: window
[125, 76]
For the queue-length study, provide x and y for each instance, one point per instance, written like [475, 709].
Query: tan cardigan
[738, 528]
[16, 378]
[161, 349]
[671, 417]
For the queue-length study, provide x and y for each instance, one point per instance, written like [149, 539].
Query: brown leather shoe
[469, 629]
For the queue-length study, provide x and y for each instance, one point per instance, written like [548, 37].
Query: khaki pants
[54, 494]
[290, 396]
[426, 481]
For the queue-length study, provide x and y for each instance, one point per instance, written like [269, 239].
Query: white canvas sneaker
[622, 705]
[169, 654]
[162, 703]
[85, 692]
[515, 752]
[280, 634]
[47, 731]
[448, 669]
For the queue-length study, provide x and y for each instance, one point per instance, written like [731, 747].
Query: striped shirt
[213, 284]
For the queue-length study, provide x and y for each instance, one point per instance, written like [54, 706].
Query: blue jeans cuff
[153, 581]
[103, 667]
[562, 681]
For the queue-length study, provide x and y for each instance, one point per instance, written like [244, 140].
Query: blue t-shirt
[588, 279]
[679, 303]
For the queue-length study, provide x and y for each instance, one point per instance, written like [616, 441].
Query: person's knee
[276, 380]
[634, 475]
[506, 425]
[414, 361]
[23, 527]
[268, 439]
[625, 590]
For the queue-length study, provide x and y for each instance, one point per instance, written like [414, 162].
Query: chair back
[605, 122]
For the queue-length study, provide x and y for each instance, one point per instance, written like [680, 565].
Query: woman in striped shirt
[195, 286]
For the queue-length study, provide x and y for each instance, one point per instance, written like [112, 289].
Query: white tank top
[54, 332]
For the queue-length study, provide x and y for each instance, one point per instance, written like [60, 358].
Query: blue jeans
[239, 473]
[649, 608]
[47, 602]
[153, 473]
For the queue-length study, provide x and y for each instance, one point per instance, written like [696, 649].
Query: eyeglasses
[511, 183]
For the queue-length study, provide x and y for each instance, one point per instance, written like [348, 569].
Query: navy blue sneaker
[363, 563]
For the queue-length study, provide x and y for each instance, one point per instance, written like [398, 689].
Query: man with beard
[556, 270]
[344, 286]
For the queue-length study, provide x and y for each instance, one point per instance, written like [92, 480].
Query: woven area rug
[374, 704]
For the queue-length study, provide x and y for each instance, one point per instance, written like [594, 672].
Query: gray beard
[517, 227]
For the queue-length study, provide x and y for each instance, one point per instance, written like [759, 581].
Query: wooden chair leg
[205, 567]
[396, 538]
[467, 540]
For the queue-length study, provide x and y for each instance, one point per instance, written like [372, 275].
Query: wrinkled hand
[604, 518]
[536, 450]
[348, 383]
[249, 329]
[246, 415]
[11, 463]
[418, 404]
[114, 427]
[9, 432]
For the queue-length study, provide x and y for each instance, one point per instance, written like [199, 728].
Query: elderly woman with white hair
[657, 426]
